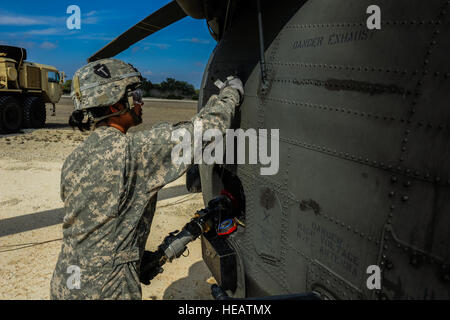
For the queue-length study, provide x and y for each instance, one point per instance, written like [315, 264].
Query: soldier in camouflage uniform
[109, 183]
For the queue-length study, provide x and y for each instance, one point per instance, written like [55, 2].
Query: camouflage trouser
[103, 281]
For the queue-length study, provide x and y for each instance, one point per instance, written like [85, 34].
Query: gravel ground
[31, 211]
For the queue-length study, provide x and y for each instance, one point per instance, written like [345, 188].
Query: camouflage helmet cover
[102, 83]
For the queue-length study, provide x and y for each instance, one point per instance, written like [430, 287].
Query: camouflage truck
[25, 88]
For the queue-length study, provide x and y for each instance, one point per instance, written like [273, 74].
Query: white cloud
[8, 19]
[162, 46]
[18, 21]
[147, 46]
[147, 73]
[48, 45]
[89, 20]
[19, 43]
[25, 44]
[95, 36]
[195, 40]
[47, 32]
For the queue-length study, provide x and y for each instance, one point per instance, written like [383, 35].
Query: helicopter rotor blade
[158, 20]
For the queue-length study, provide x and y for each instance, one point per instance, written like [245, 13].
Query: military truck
[25, 88]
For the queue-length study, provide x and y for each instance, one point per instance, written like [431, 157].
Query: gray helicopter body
[364, 173]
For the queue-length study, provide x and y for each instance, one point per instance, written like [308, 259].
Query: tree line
[168, 89]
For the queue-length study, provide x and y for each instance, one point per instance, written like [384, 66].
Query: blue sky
[179, 51]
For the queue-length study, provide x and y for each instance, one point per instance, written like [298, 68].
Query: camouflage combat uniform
[109, 186]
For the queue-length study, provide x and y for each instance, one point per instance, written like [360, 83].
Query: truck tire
[34, 113]
[10, 115]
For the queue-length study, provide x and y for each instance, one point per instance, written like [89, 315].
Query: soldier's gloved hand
[150, 266]
[233, 82]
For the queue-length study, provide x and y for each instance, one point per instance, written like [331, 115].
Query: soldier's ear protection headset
[132, 98]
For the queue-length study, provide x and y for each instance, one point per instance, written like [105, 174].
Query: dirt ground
[31, 210]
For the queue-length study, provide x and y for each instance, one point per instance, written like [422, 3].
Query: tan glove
[233, 82]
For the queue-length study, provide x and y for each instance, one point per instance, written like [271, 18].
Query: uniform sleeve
[152, 148]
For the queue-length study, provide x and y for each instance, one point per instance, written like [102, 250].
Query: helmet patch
[102, 71]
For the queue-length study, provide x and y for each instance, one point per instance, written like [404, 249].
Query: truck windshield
[53, 76]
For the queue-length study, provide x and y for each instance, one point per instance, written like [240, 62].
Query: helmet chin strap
[118, 113]
[128, 103]
[137, 119]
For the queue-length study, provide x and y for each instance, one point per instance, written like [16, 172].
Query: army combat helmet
[103, 83]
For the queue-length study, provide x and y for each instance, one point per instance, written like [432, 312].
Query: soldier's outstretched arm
[155, 146]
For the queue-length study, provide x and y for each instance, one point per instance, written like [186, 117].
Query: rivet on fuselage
[389, 265]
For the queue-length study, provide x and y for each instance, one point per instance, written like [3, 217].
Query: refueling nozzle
[174, 245]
